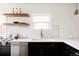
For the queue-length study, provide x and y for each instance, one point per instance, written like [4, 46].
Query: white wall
[62, 14]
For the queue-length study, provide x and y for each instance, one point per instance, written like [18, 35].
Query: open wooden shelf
[16, 24]
[17, 15]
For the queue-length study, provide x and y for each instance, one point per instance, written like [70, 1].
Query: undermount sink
[47, 40]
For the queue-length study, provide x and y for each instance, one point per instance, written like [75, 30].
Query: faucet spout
[41, 34]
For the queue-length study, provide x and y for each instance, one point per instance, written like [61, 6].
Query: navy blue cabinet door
[51, 49]
[5, 50]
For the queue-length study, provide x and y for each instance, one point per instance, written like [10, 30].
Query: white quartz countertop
[35, 40]
[38, 40]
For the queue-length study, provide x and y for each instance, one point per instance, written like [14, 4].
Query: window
[41, 21]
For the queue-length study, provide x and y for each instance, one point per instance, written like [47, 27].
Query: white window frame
[41, 21]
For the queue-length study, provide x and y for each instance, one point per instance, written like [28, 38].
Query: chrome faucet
[41, 33]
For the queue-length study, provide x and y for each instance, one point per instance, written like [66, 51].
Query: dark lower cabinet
[5, 50]
[45, 49]
[51, 49]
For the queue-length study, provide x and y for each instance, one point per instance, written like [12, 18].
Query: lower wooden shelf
[18, 24]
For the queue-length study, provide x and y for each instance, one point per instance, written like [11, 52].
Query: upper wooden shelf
[17, 15]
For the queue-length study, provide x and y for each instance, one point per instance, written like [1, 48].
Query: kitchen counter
[72, 42]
